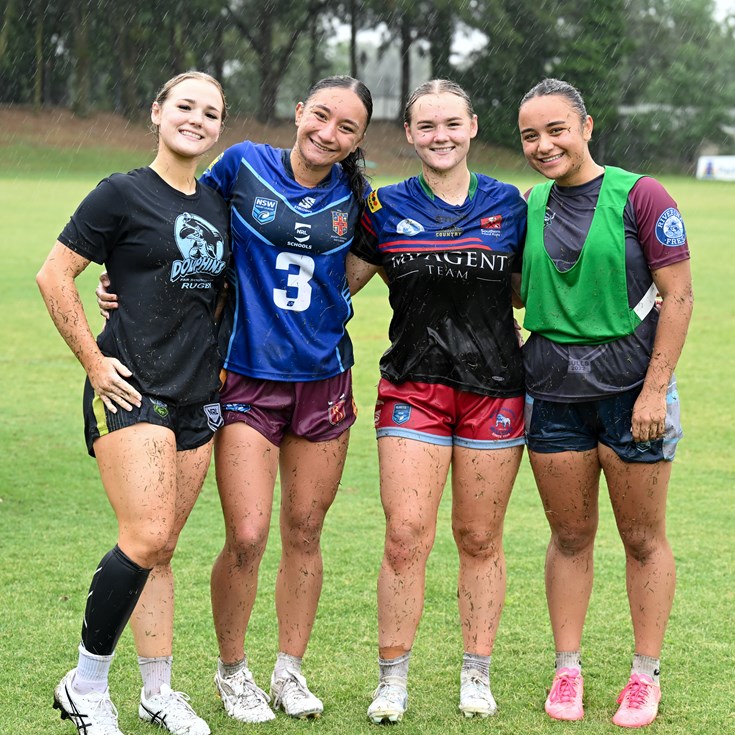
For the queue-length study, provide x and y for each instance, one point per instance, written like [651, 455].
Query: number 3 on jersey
[297, 294]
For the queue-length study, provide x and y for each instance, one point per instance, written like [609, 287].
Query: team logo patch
[373, 201]
[491, 225]
[264, 210]
[336, 411]
[213, 412]
[670, 229]
[339, 222]
[202, 249]
[237, 407]
[409, 227]
[501, 423]
[401, 413]
[303, 232]
[159, 407]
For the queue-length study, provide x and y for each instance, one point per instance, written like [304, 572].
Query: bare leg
[139, 472]
[482, 481]
[638, 495]
[246, 464]
[568, 484]
[152, 622]
[412, 478]
[310, 476]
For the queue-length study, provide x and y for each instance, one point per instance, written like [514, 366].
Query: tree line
[657, 74]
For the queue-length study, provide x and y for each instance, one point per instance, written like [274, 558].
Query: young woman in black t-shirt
[151, 402]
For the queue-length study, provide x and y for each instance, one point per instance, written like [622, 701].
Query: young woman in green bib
[602, 244]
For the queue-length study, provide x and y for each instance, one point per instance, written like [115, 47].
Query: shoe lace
[293, 688]
[635, 694]
[391, 690]
[103, 712]
[248, 693]
[474, 679]
[564, 688]
[177, 705]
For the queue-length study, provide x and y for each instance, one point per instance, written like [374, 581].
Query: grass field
[55, 524]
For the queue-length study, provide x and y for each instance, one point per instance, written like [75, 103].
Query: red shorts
[317, 410]
[439, 414]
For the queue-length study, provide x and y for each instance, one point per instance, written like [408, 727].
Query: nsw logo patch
[264, 210]
[401, 413]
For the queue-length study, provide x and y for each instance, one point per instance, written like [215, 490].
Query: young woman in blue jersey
[600, 378]
[150, 402]
[448, 242]
[287, 394]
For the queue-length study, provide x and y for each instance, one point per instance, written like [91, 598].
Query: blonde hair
[436, 86]
[165, 91]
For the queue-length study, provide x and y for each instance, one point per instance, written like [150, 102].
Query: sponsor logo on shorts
[491, 225]
[336, 411]
[339, 222]
[378, 411]
[502, 422]
[213, 412]
[237, 407]
[670, 229]
[264, 210]
[159, 407]
[401, 413]
[409, 227]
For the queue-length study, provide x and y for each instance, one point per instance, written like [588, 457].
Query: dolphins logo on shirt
[202, 248]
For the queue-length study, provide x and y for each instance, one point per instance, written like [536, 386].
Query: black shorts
[578, 427]
[193, 424]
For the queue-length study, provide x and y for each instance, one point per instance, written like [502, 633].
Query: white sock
[155, 672]
[92, 672]
[285, 662]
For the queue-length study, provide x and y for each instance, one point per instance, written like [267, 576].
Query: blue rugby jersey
[449, 270]
[289, 245]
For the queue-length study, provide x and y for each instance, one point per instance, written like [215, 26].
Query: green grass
[55, 524]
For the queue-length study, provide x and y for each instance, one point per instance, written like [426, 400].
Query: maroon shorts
[317, 410]
[439, 414]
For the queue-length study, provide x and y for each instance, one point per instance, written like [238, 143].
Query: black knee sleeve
[113, 594]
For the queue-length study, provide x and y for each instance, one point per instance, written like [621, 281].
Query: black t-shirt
[166, 254]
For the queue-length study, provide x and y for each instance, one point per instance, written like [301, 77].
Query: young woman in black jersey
[287, 398]
[150, 402]
[602, 395]
[451, 396]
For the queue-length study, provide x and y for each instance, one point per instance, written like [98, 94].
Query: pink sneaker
[638, 702]
[565, 698]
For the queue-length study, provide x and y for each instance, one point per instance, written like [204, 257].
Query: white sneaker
[291, 694]
[390, 700]
[171, 711]
[243, 699]
[475, 697]
[92, 714]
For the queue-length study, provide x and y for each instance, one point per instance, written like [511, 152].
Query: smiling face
[440, 130]
[329, 126]
[556, 140]
[189, 120]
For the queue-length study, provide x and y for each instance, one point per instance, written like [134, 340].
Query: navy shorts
[193, 424]
[578, 427]
[317, 410]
